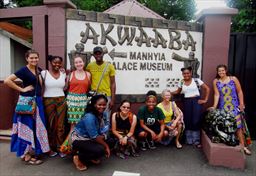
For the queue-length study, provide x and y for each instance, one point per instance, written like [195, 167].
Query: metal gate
[242, 64]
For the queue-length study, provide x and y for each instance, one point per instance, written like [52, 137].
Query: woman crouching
[89, 135]
[123, 126]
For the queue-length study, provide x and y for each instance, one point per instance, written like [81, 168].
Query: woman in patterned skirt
[79, 84]
[228, 95]
[29, 135]
[55, 103]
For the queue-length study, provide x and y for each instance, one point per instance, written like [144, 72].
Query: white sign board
[144, 58]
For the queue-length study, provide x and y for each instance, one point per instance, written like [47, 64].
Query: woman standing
[89, 135]
[192, 102]
[54, 103]
[228, 95]
[29, 135]
[173, 126]
[78, 86]
[123, 126]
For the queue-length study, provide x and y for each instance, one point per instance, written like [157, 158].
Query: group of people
[93, 131]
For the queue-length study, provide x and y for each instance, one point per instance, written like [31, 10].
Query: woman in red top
[79, 84]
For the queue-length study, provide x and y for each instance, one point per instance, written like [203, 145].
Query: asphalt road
[163, 161]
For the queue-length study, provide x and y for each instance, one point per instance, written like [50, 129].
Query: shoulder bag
[27, 105]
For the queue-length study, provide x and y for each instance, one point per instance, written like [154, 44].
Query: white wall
[5, 57]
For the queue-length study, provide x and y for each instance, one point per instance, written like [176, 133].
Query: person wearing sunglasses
[123, 127]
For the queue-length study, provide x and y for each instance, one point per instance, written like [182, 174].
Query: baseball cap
[97, 49]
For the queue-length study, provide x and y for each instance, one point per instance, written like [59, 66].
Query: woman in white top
[54, 103]
[192, 102]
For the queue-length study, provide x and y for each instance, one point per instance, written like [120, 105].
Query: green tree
[245, 20]
[95, 5]
[23, 3]
[172, 9]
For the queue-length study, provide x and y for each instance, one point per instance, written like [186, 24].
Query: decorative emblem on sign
[152, 82]
[172, 82]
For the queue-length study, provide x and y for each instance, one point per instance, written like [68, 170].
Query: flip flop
[178, 146]
[79, 165]
[34, 161]
[247, 151]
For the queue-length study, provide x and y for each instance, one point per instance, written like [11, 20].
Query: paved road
[164, 161]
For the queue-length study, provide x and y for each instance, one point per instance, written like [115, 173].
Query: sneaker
[151, 145]
[143, 146]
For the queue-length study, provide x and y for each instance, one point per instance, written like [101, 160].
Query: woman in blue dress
[29, 135]
[228, 95]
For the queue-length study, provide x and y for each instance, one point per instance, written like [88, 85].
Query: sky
[201, 4]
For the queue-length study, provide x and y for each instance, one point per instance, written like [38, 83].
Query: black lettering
[159, 40]
[86, 35]
[143, 38]
[162, 58]
[189, 42]
[174, 39]
[143, 66]
[126, 35]
[133, 56]
[105, 36]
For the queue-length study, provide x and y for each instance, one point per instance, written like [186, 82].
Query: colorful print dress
[228, 99]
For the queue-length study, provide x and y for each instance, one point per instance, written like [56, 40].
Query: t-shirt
[168, 114]
[28, 78]
[96, 72]
[150, 118]
[192, 89]
[53, 87]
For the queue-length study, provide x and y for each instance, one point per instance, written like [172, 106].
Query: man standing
[103, 78]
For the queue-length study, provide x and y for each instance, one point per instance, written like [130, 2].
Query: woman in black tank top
[123, 126]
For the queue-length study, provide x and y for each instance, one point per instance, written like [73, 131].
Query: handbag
[25, 104]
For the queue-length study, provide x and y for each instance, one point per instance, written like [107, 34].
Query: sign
[145, 58]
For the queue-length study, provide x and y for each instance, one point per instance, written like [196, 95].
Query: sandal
[178, 145]
[34, 161]
[79, 165]
[26, 157]
[247, 151]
